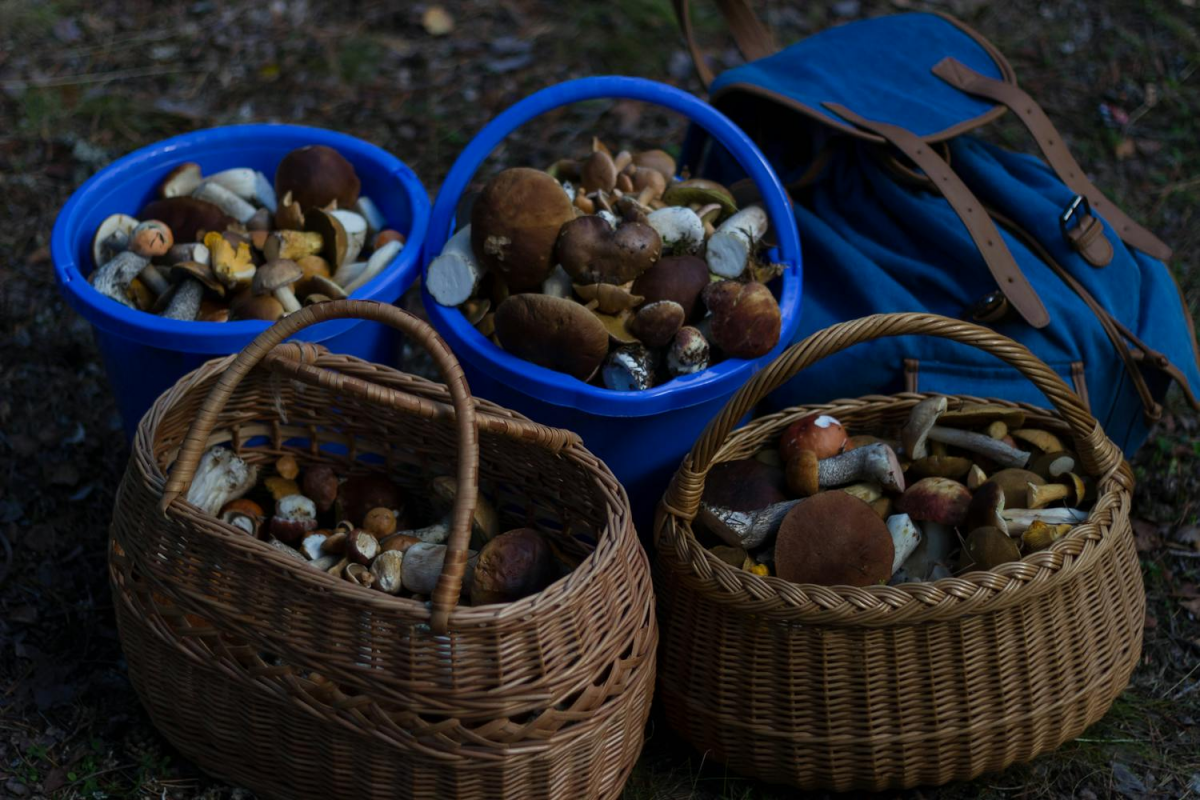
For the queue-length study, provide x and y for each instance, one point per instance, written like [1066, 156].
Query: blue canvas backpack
[900, 210]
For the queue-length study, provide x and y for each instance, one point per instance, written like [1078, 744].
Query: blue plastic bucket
[145, 354]
[641, 436]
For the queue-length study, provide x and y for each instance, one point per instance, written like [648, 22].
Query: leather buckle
[1086, 236]
[1071, 211]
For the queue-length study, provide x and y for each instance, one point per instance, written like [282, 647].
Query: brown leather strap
[753, 38]
[1089, 241]
[1053, 147]
[995, 253]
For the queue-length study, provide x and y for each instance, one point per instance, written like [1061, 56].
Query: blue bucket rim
[557, 388]
[208, 337]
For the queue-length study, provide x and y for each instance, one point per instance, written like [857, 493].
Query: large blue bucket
[641, 436]
[145, 354]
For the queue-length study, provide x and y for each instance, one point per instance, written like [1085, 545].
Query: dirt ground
[83, 83]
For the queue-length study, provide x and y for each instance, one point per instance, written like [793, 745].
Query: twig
[1181, 681]
[98, 77]
[1184, 553]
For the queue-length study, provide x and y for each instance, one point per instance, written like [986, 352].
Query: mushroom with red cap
[939, 500]
[820, 433]
[834, 539]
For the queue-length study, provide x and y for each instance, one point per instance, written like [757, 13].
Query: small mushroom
[280, 487]
[975, 477]
[485, 522]
[922, 426]
[220, 476]
[361, 547]
[988, 548]
[295, 516]
[233, 267]
[453, 277]
[732, 247]
[195, 278]
[313, 545]
[289, 216]
[355, 229]
[1038, 496]
[745, 318]
[558, 283]
[380, 522]
[113, 278]
[181, 181]
[592, 251]
[293, 245]
[359, 574]
[657, 160]
[1043, 440]
[938, 500]
[648, 184]
[1015, 485]
[358, 494]
[112, 237]
[320, 484]
[877, 463]
[515, 223]
[629, 368]
[680, 279]
[986, 508]
[276, 277]
[514, 565]
[244, 514]
[680, 228]
[598, 173]
[247, 305]
[1041, 535]
[422, 566]
[552, 332]
[833, 539]
[388, 570]
[656, 324]
[1054, 464]
[227, 201]
[607, 298]
[316, 176]
[820, 433]
[688, 353]
[699, 192]
[955, 467]
[334, 241]
[1019, 519]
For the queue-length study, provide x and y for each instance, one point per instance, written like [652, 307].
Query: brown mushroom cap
[804, 473]
[657, 323]
[745, 318]
[552, 332]
[151, 238]
[247, 305]
[988, 548]
[275, 275]
[1015, 484]
[678, 278]
[333, 235]
[186, 216]
[985, 507]
[657, 160]
[200, 272]
[515, 564]
[592, 251]
[941, 467]
[515, 222]
[358, 494]
[820, 433]
[938, 500]
[834, 539]
[320, 485]
[598, 172]
[744, 485]
[316, 176]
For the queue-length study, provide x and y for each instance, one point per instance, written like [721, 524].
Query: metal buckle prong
[1072, 209]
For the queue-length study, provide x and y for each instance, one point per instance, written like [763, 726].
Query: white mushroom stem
[356, 232]
[454, 275]
[185, 303]
[422, 566]
[239, 180]
[112, 279]
[220, 477]
[937, 542]
[375, 265]
[608, 217]
[874, 462]
[745, 529]
[153, 278]
[730, 248]
[287, 298]
[225, 200]
[287, 549]
[558, 283]
[264, 192]
[905, 538]
[980, 443]
[370, 212]
[1019, 519]
[348, 272]
[680, 228]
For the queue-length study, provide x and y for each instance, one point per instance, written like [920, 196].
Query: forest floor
[83, 83]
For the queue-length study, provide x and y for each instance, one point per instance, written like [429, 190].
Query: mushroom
[313, 545]
[515, 224]
[388, 569]
[922, 426]
[592, 251]
[358, 573]
[422, 566]
[699, 192]
[195, 277]
[657, 160]
[113, 278]
[629, 368]
[978, 415]
[289, 215]
[220, 476]
[293, 245]
[598, 173]
[558, 283]
[244, 514]
[745, 529]
[1040, 535]
[1019, 519]
[745, 319]
[607, 298]
[905, 538]
[295, 516]
[680, 228]
[359, 494]
[247, 184]
[657, 323]
[247, 305]
[485, 522]
[806, 474]
[680, 279]
[975, 477]
[233, 267]
[866, 491]
[986, 508]
[276, 277]
[1043, 440]
[515, 564]
[380, 522]
[1038, 496]
[375, 265]
[1054, 464]
[939, 500]
[334, 241]
[316, 277]
[361, 547]
[743, 485]
[688, 352]
[280, 487]
[941, 467]
[187, 216]
[1015, 485]
[834, 539]
[733, 245]
[286, 549]
[453, 277]
[320, 484]
[316, 176]
[225, 200]
[552, 332]
[376, 223]
[112, 237]
[189, 251]
[820, 433]
[988, 548]
[181, 181]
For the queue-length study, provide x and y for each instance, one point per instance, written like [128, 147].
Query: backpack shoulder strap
[1053, 147]
[752, 37]
[996, 255]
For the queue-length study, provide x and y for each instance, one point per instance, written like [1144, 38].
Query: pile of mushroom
[231, 245]
[361, 529]
[612, 270]
[954, 491]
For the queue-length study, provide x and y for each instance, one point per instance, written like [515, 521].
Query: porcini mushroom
[607, 298]
[113, 278]
[295, 516]
[359, 494]
[877, 463]
[988, 548]
[515, 223]
[592, 251]
[112, 237]
[187, 216]
[220, 476]
[731, 248]
[552, 332]
[181, 180]
[244, 514]
[745, 318]
[316, 176]
[225, 200]
[745, 529]
[334, 240]
[422, 566]
[939, 500]
[276, 278]
[681, 230]
[388, 569]
[629, 368]
[922, 426]
[515, 564]
[834, 539]
[194, 278]
[905, 538]
[688, 353]
[680, 279]
[820, 433]
[656, 324]
[453, 276]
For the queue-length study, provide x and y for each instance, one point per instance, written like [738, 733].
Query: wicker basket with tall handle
[895, 686]
[298, 684]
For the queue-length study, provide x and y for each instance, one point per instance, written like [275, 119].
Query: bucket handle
[449, 585]
[1100, 456]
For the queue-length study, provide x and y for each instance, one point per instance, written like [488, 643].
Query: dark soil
[83, 83]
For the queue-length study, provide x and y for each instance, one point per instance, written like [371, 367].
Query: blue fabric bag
[900, 210]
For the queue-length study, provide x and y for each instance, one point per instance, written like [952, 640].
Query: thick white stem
[287, 299]
[185, 303]
[745, 529]
[905, 538]
[225, 200]
[370, 212]
[454, 275]
[356, 232]
[558, 284]
[375, 265]
[730, 248]
[980, 443]
[681, 229]
[1019, 519]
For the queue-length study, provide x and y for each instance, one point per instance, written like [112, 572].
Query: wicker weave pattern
[518, 700]
[888, 687]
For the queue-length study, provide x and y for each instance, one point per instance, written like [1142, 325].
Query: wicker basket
[895, 686]
[298, 684]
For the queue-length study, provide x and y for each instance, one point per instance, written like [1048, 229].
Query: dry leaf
[1189, 535]
[1145, 536]
[1125, 149]
[437, 21]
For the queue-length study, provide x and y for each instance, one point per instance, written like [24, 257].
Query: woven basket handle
[1099, 455]
[445, 595]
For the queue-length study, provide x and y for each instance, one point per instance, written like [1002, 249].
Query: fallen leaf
[1189, 535]
[1126, 782]
[1145, 536]
[437, 21]
[1125, 149]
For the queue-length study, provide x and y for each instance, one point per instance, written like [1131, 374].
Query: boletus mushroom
[515, 223]
[552, 332]
[515, 564]
[680, 279]
[592, 251]
[745, 320]
[834, 539]
[820, 433]
[316, 176]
